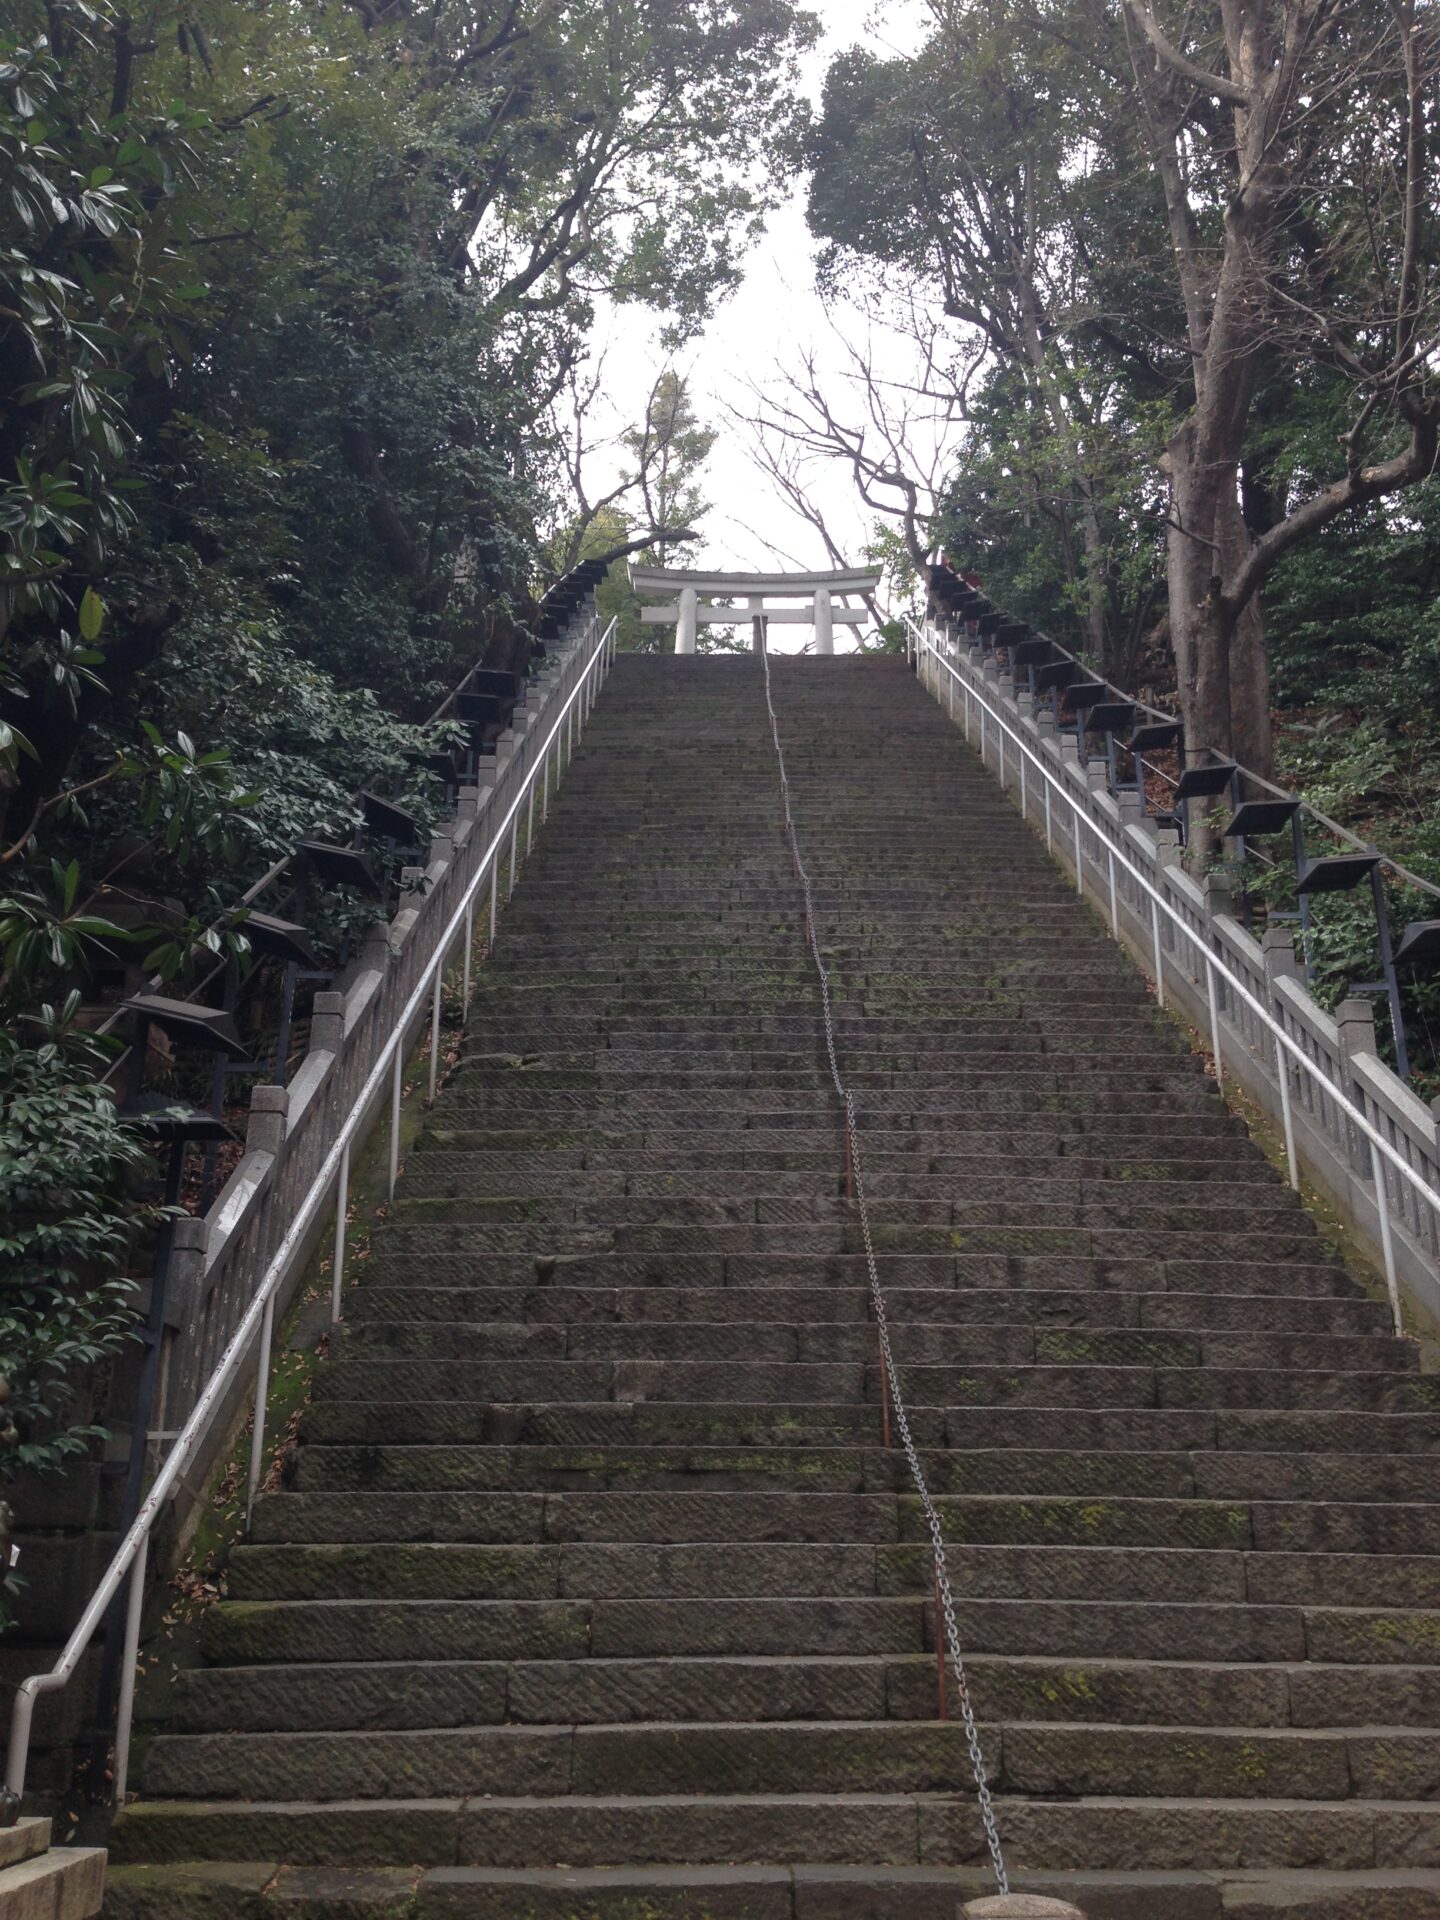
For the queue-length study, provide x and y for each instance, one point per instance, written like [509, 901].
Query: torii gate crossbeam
[695, 595]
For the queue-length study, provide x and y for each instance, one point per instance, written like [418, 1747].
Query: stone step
[1031, 1758]
[737, 1830]
[1274, 1527]
[58, 1883]
[933, 1343]
[380, 1306]
[811, 1239]
[683, 1423]
[1044, 1384]
[1207, 1144]
[26, 1839]
[247, 1890]
[686, 1192]
[713, 1156]
[614, 1689]
[510, 1029]
[628, 1569]
[968, 1271]
[479, 1154]
[1294, 1477]
[805, 1074]
[1190, 1107]
[324, 1629]
[732, 1424]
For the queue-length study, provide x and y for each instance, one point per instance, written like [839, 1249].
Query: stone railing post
[184, 1310]
[1278, 947]
[265, 1133]
[1219, 897]
[1355, 1022]
[265, 1128]
[185, 1276]
[375, 949]
[327, 1023]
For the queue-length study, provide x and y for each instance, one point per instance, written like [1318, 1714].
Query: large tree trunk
[1221, 662]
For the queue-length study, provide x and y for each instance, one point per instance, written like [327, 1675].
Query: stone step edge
[24, 1840]
[62, 1883]
[158, 1809]
[801, 1891]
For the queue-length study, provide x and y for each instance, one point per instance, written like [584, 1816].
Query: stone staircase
[595, 1595]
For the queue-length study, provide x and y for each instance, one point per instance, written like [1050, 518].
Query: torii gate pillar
[688, 625]
[824, 621]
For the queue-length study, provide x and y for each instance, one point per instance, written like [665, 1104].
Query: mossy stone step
[936, 1829]
[219, 1890]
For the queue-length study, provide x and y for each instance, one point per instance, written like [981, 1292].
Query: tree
[669, 451]
[1160, 228]
[956, 173]
[1291, 149]
[280, 364]
[652, 500]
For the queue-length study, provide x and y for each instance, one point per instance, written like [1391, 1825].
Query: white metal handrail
[330, 1183]
[920, 644]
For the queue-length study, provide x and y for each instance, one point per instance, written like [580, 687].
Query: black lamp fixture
[1342, 873]
[1419, 945]
[338, 866]
[333, 866]
[1205, 782]
[269, 938]
[441, 761]
[1110, 719]
[276, 939]
[1152, 736]
[1079, 696]
[1054, 674]
[390, 820]
[1257, 820]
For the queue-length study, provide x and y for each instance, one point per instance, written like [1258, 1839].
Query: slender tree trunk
[1096, 599]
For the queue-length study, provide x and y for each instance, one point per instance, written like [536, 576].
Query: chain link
[951, 1628]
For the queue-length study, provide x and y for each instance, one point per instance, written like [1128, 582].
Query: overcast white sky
[774, 314]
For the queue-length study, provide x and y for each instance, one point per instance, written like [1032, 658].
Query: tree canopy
[1168, 243]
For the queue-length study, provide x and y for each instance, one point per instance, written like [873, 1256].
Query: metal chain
[882, 1321]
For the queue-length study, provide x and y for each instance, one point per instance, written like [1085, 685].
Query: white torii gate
[695, 594]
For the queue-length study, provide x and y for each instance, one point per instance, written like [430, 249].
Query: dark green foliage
[67, 1166]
